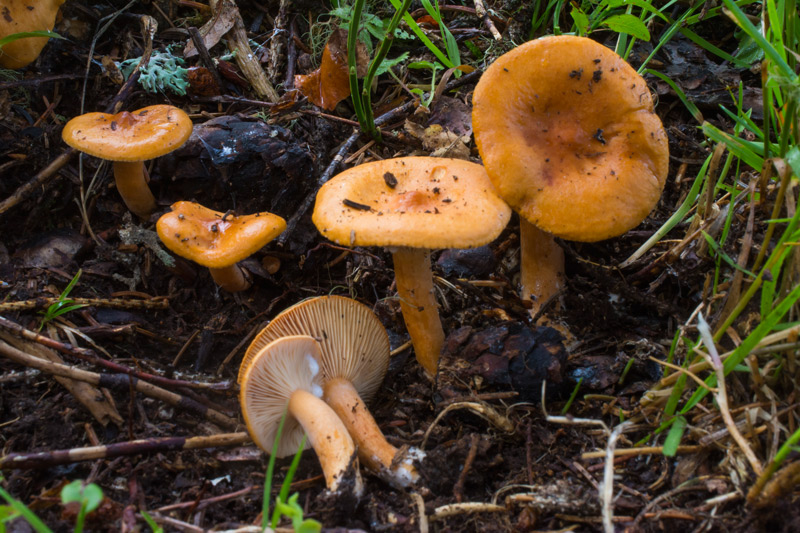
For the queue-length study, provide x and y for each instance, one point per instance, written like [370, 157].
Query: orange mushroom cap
[419, 202]
[567, 133]
[140, 135]
[214, 239]
[19, 16]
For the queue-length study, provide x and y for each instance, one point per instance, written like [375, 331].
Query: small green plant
[362, 96]
[163, 72]
[63, 304]
[88, 495]
[434, 68]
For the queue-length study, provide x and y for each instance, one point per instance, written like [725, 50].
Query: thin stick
[119, 303]
[37, 181]
[644, 450]
[480, 10]
[681, 370]
[607, 488]
[118, 381]
[134, 447]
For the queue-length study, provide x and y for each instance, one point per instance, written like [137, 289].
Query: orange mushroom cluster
[569, 140]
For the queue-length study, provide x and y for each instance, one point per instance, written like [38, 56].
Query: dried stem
[721, 395]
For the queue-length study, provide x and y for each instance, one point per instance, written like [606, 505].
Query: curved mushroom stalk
[541, 265]
[329, 438]
[278, 379]
[231, 278]
[374, 451]
[412, 269]
[131, 181]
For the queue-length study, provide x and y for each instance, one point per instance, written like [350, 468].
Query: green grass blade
[676, 217]
[698, 116]
[674, 436]
[287, 481]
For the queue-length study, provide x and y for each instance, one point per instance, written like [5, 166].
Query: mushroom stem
[541, 265]
[373, 449]
[327, 435]
[412, 270]
[231, 278]
[131, 181]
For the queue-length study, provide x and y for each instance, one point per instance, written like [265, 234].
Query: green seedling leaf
[294, 512]
[628, 24]
[77, 491]
[25, 34]
[674, 437]
[386, 64]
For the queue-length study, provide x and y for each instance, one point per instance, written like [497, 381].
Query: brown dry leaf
[330, 83]
[213, 30]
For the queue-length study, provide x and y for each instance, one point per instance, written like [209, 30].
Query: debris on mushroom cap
[353, 342]
[266, 386]
[18, 17]
[579, 151]
[215, 239]
[428, 203]
[138, 135]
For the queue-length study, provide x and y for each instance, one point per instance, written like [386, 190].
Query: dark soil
[494, 356]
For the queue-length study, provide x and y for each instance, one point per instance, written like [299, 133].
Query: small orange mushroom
[568, 135]
[129, 139]
[18, 16]
[413, 205]
[217, 240]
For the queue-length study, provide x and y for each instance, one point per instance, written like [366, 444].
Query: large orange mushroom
[129, 139]
[21, 16]
[413, 205]
[217, 240]
[568, 135]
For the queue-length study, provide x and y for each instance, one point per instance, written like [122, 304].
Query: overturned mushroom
[353, 359]
[282, 377]
[413, 205]
[568, 135]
